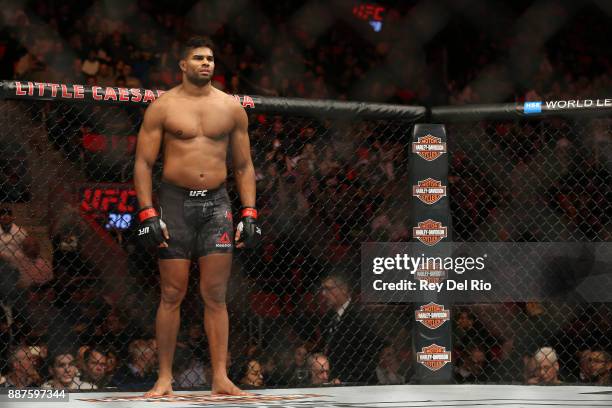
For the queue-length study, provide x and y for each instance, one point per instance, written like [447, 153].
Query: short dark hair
[60, 351]
[196, 42]
[90, 350]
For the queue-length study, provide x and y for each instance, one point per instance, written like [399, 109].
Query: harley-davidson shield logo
[429, 191]
[429, 232]
[430, 272]
[432, 315]
[434, 357]
[429, 147]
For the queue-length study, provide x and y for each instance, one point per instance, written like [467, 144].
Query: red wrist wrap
[146, 213]
[249, 212]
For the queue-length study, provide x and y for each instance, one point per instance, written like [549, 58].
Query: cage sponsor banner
[566, 105]
[487, 272]
[93, 93]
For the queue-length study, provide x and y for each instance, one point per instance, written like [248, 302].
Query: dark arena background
[429, 123]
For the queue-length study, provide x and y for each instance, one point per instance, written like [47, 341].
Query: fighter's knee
[214, 296]
[172, 296]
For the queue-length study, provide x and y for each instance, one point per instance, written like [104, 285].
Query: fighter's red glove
[152, 231]
[250, 232]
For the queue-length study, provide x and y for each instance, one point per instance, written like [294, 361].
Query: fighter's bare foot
[224, 386]
[162, 387]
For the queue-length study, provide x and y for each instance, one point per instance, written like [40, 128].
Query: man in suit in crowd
[348, 338]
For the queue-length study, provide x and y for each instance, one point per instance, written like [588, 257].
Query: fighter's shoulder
[160, 105]
[165, 98]
[229, 100]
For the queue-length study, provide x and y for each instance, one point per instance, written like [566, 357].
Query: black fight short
[199, 221]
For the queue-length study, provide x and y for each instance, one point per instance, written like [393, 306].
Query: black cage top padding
[317, 108]
[511, 111]
[286, 106]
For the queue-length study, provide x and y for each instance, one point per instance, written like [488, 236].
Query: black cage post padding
[431, 212]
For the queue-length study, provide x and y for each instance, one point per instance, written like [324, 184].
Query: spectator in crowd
[64, 373]
[530, 370]
[389, 369]
[131, 81]
[278, 369]
[299, 369]
[139, 371]
[91, 64]
[11, 235]
[34, 270]
[10, 293]
[503, 366]
[115, 328]
[348, 338]
[23, 369]
[191, 370]
[112, 361]
[105, 76]
[251, 373]
[600, 367]
[584, 365]
[547, 367]
[94, 367]
[469, 330]
[5, 332]
[471, 366]
[320, 370]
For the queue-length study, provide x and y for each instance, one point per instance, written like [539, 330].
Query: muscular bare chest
[195, 120]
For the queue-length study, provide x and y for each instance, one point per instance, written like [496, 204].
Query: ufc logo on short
[197, 193]
[143, 231]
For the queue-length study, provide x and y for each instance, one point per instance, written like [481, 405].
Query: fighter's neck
[194, 90]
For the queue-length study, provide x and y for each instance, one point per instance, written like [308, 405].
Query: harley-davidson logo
[432, 315]
[428, 271]
[429, 147]
[429, 191]
[429, 232]
[434, 357]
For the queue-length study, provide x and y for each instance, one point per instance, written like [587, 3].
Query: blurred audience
[342, 180]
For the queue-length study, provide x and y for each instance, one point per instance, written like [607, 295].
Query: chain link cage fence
[78, 280]
[79, 290]
[540, 180]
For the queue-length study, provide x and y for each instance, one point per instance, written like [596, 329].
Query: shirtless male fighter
[196, 123]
